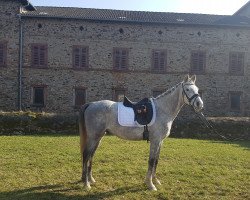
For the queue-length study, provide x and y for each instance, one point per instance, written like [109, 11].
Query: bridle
[192, 98]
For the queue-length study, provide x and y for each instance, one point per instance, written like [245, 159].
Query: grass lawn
[49, 167]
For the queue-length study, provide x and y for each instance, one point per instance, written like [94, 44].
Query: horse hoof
[157, 181]
[92, 180]
[87, 186]
[152, 188]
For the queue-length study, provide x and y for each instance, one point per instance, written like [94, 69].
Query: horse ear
[186, 79]
[193, 78]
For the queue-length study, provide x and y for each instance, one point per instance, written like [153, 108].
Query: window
[236, 63]
[159, 60]
[3, 54]
[80, 57]
[119, 94]
[198, 62]
[235, 98]
[120, 58]
[80, 97]
[157, 92]
[39, 57]
[39, 96]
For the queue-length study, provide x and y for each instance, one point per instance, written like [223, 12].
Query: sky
[221, 7]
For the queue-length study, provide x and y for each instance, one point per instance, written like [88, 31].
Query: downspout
[20, 69]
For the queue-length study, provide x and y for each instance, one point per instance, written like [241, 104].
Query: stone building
[54, 59]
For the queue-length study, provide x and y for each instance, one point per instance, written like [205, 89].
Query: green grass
[47, 167]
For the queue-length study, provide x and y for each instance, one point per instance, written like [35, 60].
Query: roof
[135, 16]
[242, 8]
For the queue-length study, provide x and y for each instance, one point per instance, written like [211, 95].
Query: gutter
[20, 67]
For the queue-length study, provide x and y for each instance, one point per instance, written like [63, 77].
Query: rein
[212, 128]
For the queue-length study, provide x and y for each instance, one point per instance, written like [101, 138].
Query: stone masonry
[100, 80]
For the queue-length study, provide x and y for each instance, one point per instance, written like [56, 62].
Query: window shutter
[42, 56]
[198, 61]
[159, 60]
[120, 59]
[35, 56]
[80, 57]
[84, 57]
[236, 63]
[123, 58]
[155, 60]
[39, 55]
[76, 53]
[162, 61]
[3, 49]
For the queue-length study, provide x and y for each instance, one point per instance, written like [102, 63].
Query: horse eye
[187, 89]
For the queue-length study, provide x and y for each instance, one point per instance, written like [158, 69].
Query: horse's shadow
[60, 192]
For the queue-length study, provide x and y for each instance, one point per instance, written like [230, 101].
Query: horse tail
[82, 128]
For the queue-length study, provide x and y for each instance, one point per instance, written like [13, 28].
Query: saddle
[143, 111]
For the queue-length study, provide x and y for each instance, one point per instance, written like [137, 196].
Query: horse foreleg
[155, 179]
[149, 176]
[90, 177]
[154, 150]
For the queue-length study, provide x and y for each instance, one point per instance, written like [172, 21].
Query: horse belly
[127, 133]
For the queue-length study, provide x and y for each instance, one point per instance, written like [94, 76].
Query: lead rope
[212, 128]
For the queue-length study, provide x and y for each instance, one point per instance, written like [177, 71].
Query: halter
[195, 96]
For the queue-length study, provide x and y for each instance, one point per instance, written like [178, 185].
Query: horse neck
[171, 104]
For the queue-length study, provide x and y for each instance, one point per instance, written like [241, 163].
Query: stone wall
[101, 80]
[9, 32]
[139, 81]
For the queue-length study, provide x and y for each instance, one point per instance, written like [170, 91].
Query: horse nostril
[198, 104]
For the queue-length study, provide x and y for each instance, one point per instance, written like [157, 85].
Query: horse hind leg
[90, 176]
[84, 145]
[85, 168]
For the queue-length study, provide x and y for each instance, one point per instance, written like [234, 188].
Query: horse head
[191, 93]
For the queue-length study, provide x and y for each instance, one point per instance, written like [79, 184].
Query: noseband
[195, 96]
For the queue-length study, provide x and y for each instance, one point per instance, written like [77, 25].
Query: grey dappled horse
[99, 117]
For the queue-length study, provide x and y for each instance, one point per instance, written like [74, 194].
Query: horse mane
[169, 91]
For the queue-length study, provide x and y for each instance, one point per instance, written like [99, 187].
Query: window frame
[33, 103]
[239, 94]
[120, 59]
[195, 71]
[4, 56]
[45, 55]
[232, 71]
[75, 96]
[81, 56]
[159, 69]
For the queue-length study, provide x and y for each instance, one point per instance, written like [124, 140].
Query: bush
[50, 123]
[30, 123]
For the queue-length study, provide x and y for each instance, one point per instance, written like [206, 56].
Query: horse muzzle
[198, 104]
